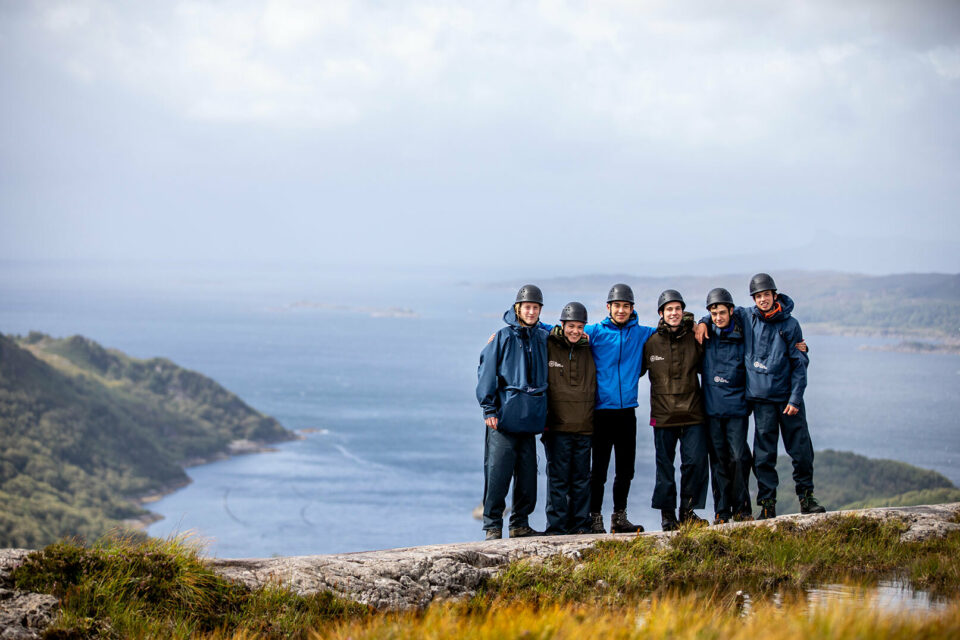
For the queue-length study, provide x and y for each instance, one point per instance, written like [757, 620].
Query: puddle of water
[888, 596]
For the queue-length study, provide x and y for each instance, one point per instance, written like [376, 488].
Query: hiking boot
[721, 518]
[668, 520]
[524, 532]
[596, 523]
[620, 524]
[494, 534]
[809, 504]
[768, 509]
[688, 516]
[743, 517]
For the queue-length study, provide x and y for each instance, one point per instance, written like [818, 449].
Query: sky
[493, 137]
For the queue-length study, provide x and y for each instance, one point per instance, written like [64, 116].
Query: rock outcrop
[416, 576]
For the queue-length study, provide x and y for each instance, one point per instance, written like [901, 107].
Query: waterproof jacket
[617, 351]
[724, 374]
[776, 369]
[512, 377]
[673, 359]
[572, 389]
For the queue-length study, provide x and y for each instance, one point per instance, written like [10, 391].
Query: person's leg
[557, 448]
[740, 464]
[665, 490]
[602, 447]
[498, 461]
[579, 483]
[766, 435]
[719, 466]
[625, 450]
[796, 440]
[524, 480]
[693, 467]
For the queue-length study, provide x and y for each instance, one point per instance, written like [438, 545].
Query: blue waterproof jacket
[618, 352]
[724, 375]
[512, 377]
[776, 369]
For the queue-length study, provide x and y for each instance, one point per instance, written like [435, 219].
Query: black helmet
[574, 311]
[670, 295]
[762, 282]
[529, 293]
[620, 293]
[719, 296]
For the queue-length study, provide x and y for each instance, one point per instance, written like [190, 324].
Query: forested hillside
[84, 429]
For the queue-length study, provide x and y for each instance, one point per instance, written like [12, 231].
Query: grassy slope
[83, 429]
[161, 590]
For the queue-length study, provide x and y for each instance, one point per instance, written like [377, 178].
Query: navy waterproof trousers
[693, 467]
[568, 482]
[614, 430]
[509, 456]
[769, 422]
[730, 464]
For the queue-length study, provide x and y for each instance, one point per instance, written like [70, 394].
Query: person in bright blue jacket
[511, 390]
[776, 368]
[617, 345]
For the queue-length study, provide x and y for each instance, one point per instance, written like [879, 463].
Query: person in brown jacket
[672, 356]
[571, 394]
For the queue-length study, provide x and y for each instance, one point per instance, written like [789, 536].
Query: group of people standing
[577, 384]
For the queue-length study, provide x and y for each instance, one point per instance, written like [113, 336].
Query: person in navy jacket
[776, 376]
[617, 345]
[511, 390]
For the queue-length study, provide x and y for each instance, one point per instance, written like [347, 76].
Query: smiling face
[529, 313]
[720, 314]
[672, 314]
[573, 331]
[765, 299]
[620, 311]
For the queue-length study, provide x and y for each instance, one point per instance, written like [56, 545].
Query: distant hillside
[84, 429]
[846, 480]
[920, 304]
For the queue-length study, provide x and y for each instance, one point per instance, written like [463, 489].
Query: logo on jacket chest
[554, 363]
[657, 358]
[759, 365]
[720, 380]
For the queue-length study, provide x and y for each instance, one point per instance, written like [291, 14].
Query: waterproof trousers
[730, 465]
[770, 422]
[509, 456]
[693, 467]
[568, 482]
[614, 430]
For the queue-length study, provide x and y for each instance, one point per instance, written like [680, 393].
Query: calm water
[393, 445]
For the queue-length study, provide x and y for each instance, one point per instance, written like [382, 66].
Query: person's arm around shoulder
[488, 380]
[793, 336]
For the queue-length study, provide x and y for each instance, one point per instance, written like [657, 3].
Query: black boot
[596, 523]
[809, 504]
[687, 516]
[668, 520]
[620, 524]
[768, 509]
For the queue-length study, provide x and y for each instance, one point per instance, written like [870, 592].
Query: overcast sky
[579, 136]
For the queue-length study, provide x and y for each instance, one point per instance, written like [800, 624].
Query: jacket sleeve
[487, 379]
[645, 333]
[798, 363]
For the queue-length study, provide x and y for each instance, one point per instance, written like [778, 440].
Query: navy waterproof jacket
[512, 377]
[617, 352]
[724, 375]
[776, 369]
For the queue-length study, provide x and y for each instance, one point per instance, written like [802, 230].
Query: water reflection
[887, 596]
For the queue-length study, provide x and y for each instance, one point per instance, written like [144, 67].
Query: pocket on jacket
[522, 412]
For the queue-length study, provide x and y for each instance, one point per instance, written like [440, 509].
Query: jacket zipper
[619, 363]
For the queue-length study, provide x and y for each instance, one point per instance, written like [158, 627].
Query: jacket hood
[686, 324]
[631, 321]
[786, 308]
